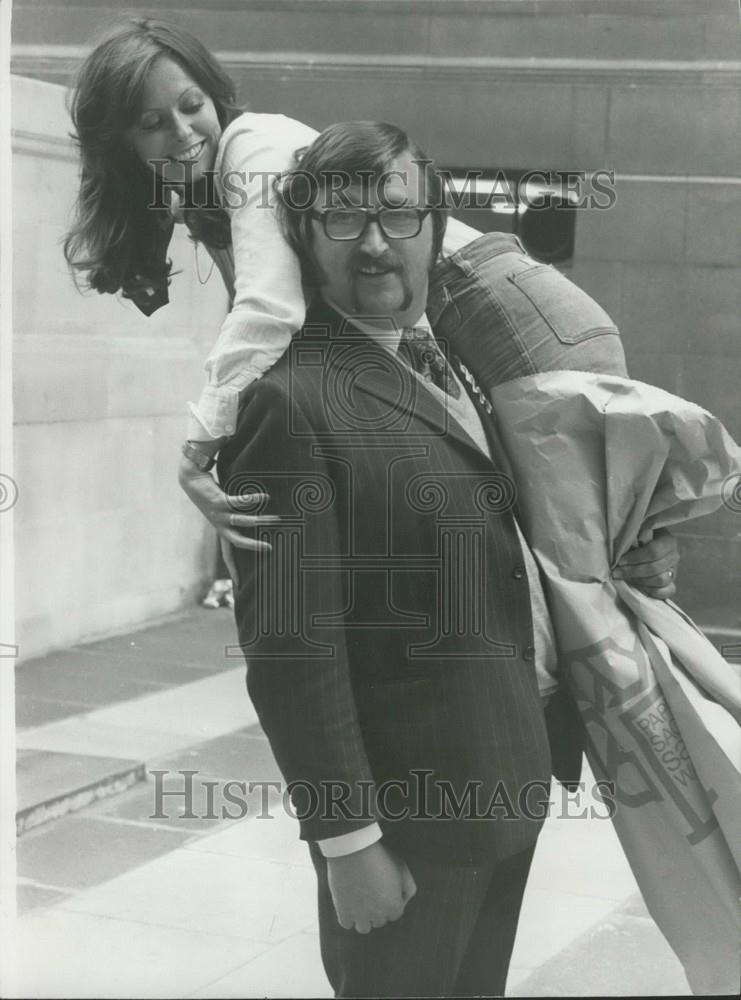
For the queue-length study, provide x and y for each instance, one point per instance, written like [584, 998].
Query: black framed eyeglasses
[402, 223]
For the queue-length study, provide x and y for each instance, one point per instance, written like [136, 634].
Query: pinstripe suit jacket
[388, 634]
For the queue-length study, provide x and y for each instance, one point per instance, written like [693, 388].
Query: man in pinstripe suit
[396, 635]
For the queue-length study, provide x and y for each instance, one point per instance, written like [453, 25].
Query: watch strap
[199, 458]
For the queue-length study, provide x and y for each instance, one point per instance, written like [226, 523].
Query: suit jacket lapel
[498, 452]
[373, 378]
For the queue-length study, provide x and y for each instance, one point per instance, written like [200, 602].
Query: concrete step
[51, 784]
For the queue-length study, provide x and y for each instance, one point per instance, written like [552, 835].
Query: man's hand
[223, 511]
[369, 887]
[652, 568]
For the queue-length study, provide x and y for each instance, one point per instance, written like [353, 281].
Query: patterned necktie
[421, 352]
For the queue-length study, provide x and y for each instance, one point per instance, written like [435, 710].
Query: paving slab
[272, 836]
[624, 955]
[205, 709]
[64, 954]
[191, 813]
[31, 897]
[79, 676]
[516, 975]
[194, 792]
[635, 907]
[49, 785]
[77, 852]
[87, 734]
[292, 968]
[597, 868]
[153, 725]
[550, 920]
[195, 803]
[31, 711]
[243, 755]
[70, 681]
[196, 640]
[210, 893]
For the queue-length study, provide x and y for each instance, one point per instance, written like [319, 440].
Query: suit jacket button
[518, 572]
[528, 653]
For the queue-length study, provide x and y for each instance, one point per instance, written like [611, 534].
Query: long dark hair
[116, 241]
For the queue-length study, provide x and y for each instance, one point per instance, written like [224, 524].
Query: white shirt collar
[387, 336]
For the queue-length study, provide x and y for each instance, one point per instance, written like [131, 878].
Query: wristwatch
[199, 458]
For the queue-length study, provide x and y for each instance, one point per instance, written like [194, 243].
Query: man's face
[376, 276]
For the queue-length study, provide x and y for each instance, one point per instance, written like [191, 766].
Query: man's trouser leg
[455, 937]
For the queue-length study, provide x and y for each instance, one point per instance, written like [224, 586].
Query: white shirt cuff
[196, 428]
[350, 843]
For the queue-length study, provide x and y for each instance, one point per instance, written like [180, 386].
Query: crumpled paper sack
[600, 462]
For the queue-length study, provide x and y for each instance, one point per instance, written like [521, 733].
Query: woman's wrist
[210, 447]
[202, 454]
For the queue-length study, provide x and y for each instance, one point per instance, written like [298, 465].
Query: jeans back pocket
[572, 314]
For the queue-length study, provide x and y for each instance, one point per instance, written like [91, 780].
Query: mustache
[387, 260]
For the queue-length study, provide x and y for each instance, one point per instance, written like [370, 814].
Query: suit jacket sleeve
[298, 675]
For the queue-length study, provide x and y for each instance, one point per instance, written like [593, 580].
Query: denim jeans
[505, 315]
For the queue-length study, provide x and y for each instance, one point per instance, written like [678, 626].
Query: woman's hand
[652, 567]
[226, 513]
[175, 207]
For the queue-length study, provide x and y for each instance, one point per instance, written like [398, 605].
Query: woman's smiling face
[177, 123]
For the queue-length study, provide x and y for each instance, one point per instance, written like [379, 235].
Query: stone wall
[105, 538]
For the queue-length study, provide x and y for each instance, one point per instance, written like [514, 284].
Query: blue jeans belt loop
[483, 249]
